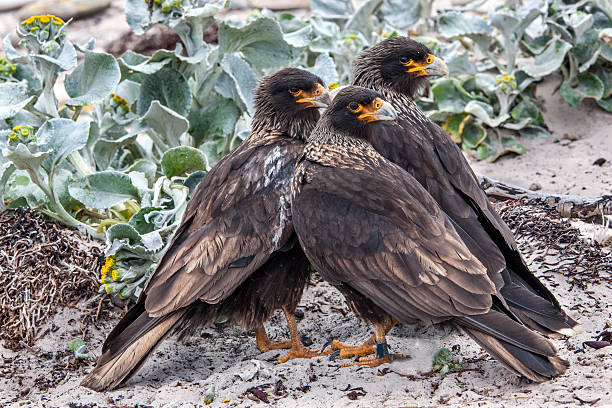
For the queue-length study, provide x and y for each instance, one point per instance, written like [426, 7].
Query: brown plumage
[398, 68]
[375, 233]
[235, 254]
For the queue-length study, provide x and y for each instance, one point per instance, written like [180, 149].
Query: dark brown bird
[235, 254]
[375, 233]
[398, 68]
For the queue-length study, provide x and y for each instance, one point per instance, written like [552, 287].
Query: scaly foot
[346, 351]
[299, 351]
[265, 344]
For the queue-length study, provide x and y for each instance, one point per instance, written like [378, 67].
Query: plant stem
[80, 164]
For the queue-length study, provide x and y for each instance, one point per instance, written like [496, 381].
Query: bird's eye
[430, 59]
[354, 107]
[406, 61]
[295, 91]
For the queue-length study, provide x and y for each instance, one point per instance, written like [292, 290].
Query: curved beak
[378, 110]
[437, 68]
[386, 112]
[317, 98]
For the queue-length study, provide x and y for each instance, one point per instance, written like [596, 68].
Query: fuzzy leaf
[244, 79]
[131, 61]
[589, 86]
[61, 137]
[93, 80]
[66, 60]
[13, 98]
[168, 124]
[181, 160]
[23, 159]
[325, 68]
[216, 121]
[261, 42]
[139, 220]
[103, 190]
[456, 24]
[549, 60]
[401, 14]
[169, 87]
[450, 96]
[331, 9]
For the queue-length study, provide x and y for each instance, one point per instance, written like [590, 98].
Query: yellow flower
[333, 85]
[45, 19]
[58, 21]
[25, 132]
[485, 16]
[108, 264]
[34, 28]
[114, 275]
[352, 36]
[18, 127]
[506, 78]
[107, 288]
[13, 136]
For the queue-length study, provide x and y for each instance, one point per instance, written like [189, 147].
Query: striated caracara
[235, 254]
[398, 68]
[376, 234]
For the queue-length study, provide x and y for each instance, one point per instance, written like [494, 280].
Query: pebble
[599, 162]
[535, 187]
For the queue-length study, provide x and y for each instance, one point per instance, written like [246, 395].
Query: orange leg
[382, 350]
[265, 344]
[367, 347]
[297, 348]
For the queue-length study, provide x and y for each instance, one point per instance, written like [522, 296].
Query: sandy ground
[180, 374]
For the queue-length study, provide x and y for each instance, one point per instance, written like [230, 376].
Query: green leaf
[216, 121]
[181, 160]
[19, 187]
[606, 103]
[212, 152]
[331, 9]
[169, 87]
[61, 137]
[455, 124]
[23, 159]
[456, 24]
[168, 124]
[148, 168]
[133, 62]
[401, 14]
[13, 98]
[460, 65]
[105, 149]
[510, 146]
[325, 68]
[589, 86]
[261, 42]
[474, 134]
[549, 60]
[450, 95]
[527, 108]
[139, 220]
[123, 232]
[359, 21]
[193, 180]
[66, 60]
[103, 190]
[93, 80]
[534, 131]
[245, 80]
[485, 113]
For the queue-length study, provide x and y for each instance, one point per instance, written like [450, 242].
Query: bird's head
[398, 63]
[290, 100]
[354, 110]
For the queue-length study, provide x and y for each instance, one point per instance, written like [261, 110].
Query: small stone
[570, 136]
[564, 142]
[535, 187]
[599, 162]
[299, 314]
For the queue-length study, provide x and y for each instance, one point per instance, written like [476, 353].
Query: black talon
[327, 343]
[332, 356]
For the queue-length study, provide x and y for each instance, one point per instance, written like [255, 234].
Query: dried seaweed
[559, 245]
[43, 266]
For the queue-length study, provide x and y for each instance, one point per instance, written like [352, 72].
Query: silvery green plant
[515, 46]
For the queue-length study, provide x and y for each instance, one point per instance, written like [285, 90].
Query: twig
[567, 206]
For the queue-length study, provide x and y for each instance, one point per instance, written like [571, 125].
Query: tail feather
[519, 349]
[126, 351]
[538, 313]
